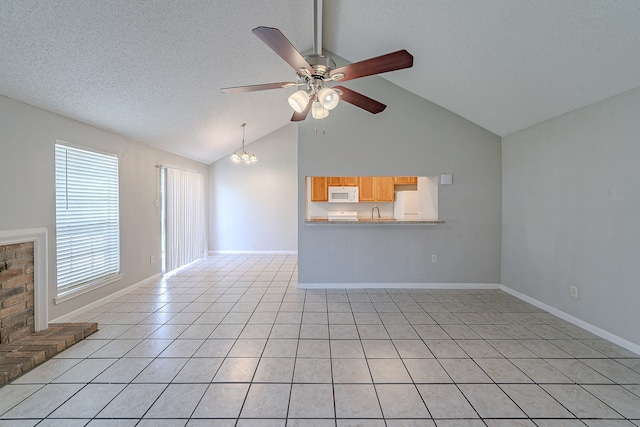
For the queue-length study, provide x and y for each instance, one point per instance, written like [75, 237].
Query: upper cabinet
[402, 180]
[365, 189]
[371, 188]
[384, 189]
[376, 188]
[349, 181]
[342, 181]
[319, 191]
[333, 181]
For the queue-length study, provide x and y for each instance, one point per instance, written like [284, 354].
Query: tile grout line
[189, 286]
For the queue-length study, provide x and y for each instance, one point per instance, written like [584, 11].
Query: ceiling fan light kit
[318, 111]
[314, 72]
[299, 100]
[328, 98]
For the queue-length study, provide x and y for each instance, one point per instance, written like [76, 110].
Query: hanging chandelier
[243, 157]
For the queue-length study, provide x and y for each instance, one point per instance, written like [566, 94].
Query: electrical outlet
[574, 291]
[152, 259]
[434, 258]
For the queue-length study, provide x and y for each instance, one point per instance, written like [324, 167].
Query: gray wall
[411, 137]
[571, 203]
[27, 193]
[254, 207]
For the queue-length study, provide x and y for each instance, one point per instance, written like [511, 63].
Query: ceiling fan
[314, 72]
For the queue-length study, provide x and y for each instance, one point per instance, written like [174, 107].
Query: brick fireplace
[26, 339]
[23, 283]
[17, 317]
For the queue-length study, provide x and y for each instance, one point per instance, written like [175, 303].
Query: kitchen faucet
[375, 207]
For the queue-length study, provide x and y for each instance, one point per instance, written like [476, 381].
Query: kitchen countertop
[388, 221]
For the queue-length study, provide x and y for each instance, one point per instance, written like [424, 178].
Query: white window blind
[87, 218]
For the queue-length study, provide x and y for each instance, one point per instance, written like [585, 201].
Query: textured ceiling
[152, 70]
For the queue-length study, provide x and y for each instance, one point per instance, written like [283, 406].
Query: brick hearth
[27, 352]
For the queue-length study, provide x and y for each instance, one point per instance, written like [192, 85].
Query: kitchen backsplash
[322, 209]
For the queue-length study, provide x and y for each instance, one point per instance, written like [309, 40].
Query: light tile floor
[231, 341]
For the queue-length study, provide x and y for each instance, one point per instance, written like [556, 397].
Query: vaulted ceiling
[152, 70]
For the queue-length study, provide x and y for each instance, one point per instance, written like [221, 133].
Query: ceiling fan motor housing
[321, 65]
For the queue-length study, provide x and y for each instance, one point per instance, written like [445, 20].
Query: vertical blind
[87, 217]
[185, 228]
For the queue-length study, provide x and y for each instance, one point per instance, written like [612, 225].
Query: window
[87, 219]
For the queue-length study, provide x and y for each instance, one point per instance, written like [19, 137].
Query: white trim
[40, 267]
[80, 290]
[108, 298]
[87, 252]
[399, 285]
[85, 148]
[578, 322]
[235, 252]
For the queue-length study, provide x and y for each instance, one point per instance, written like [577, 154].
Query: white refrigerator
[418, 204]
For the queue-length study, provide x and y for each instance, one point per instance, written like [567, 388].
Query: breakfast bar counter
[376, 221]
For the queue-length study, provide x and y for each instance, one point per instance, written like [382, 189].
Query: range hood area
[381, 200]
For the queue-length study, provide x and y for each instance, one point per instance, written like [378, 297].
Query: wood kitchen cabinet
[384, 188]
[349, 181]
[366, 189]
[370, 188]
[405, 180]
[342, 181]
[319, 191]
[334, 181]
[376, 188]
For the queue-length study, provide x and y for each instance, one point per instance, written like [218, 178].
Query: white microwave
[343, 194]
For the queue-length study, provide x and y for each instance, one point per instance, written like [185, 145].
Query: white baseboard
[108, 298]
[578, 322]
[399, 285]
[253, 252]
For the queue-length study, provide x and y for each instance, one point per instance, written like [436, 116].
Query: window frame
[112, 250]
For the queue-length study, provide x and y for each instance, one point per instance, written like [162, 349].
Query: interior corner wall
[253, 207]
[571, 202]
[411, 137]
[27, 196]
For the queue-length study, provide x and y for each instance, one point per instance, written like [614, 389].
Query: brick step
[25, 353]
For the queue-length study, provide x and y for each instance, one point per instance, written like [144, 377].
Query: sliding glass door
[182, 218]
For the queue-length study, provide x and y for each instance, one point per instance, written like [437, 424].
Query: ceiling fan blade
[380, 64]
[359, 100]
[298, 117]
[254, 88]
[273, 38]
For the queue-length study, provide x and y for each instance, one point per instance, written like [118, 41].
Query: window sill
[80, 290]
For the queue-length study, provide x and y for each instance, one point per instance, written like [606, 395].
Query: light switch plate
[446, 179]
